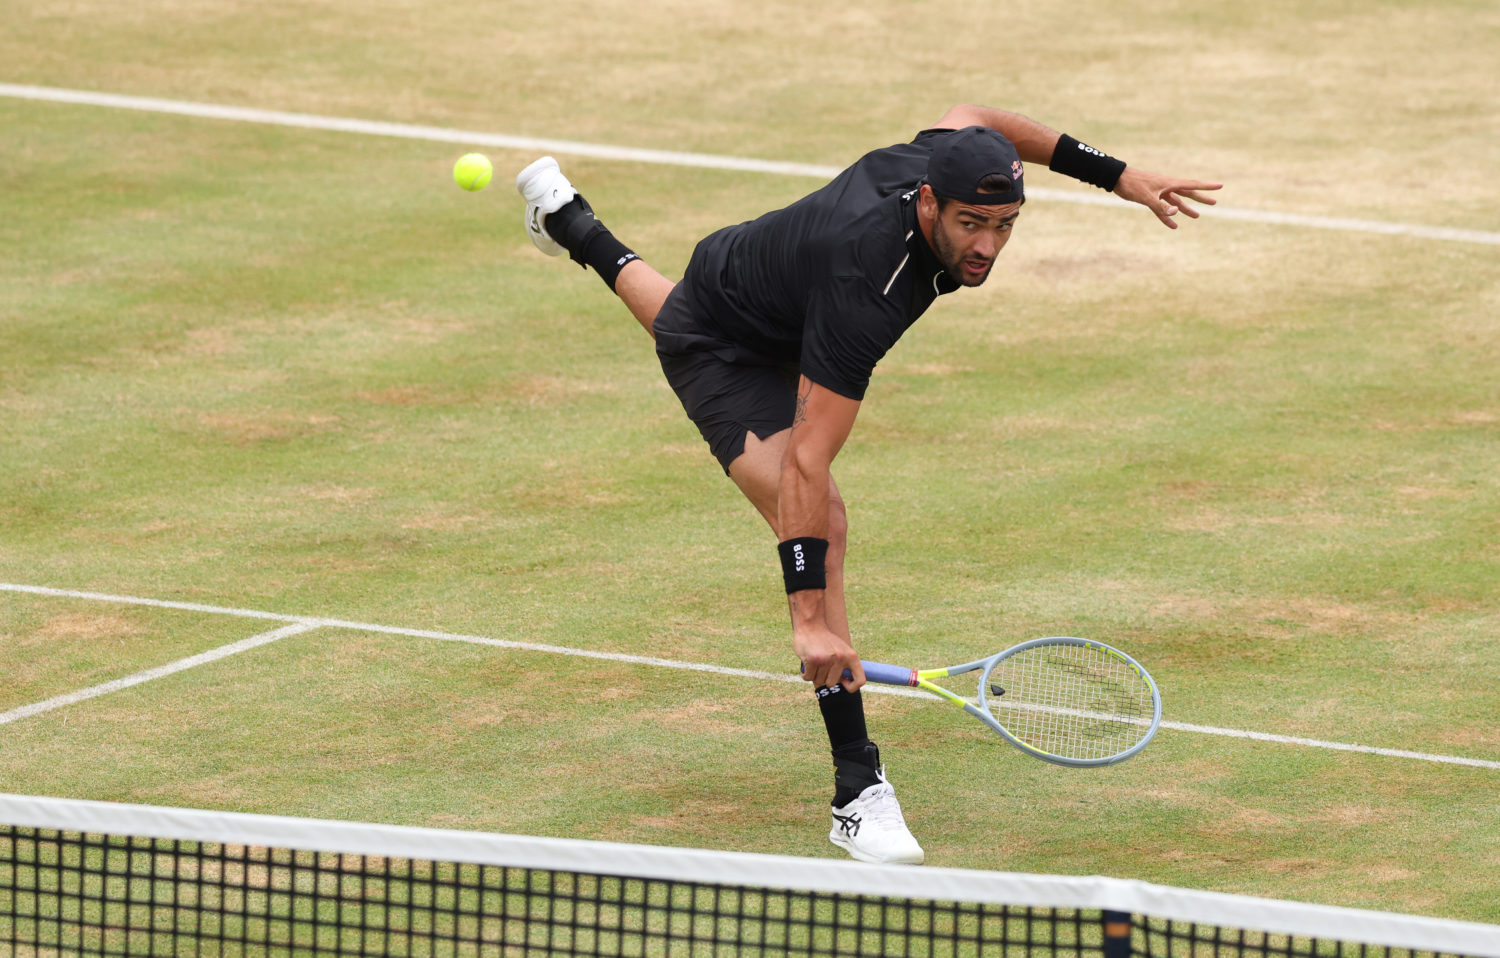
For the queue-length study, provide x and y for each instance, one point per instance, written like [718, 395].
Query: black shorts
[726, 390]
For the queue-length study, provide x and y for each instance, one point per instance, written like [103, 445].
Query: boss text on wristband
[803, 563]
[1083, 162]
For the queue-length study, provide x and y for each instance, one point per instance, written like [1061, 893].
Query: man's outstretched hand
[1164, 195]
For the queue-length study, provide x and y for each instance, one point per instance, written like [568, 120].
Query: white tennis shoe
[871, 828]
[545, 190]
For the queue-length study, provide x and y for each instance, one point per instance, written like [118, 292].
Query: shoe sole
[870, 859]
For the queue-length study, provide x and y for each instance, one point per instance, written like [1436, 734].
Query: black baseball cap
[964, 157]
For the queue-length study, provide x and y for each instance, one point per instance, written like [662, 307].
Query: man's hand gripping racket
[1065, 700]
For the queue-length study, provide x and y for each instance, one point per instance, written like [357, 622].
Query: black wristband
[802, 563]
[1083, 162]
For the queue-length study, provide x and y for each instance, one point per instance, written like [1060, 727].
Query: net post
[1116, 925]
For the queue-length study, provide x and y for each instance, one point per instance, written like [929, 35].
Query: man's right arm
[821, 424]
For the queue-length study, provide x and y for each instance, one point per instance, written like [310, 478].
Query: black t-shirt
[832, 281]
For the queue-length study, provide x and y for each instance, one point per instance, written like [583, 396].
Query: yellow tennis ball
[473, 171]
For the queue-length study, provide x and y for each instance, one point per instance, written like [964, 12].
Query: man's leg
[867, 818]
[643, 290]
[559, 220]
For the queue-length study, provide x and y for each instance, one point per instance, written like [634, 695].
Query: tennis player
[771, 337]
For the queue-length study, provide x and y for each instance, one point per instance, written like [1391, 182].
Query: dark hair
[988, 183]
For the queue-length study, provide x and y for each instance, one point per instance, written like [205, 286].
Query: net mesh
[112, 895]
[1075, 701]
[66, 892]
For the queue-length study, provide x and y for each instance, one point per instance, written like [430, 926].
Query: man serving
[771, 337]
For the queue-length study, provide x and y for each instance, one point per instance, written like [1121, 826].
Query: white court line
[310, 622]
[202, 658]
[671, 157]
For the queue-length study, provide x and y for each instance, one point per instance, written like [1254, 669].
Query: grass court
[283, 374]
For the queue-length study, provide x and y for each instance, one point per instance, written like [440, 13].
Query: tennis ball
[473, 171]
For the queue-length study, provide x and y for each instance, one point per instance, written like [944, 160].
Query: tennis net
[95, 878]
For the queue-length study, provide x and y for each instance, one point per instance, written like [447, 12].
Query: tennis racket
[1061, 699]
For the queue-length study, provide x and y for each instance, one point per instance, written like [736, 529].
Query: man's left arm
[1036, 143]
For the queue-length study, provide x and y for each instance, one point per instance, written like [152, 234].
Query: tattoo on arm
[803, 391]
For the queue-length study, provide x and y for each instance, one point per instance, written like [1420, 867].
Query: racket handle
[884, 674]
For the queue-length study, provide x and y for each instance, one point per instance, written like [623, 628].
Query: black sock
[855, 757]
[588, 241]
[607, 256]
[843, 716]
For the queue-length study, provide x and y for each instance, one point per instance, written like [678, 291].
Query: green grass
[301, 372]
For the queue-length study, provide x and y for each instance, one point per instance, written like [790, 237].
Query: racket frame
[884, 674]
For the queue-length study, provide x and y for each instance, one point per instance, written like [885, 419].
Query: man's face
[967, 238]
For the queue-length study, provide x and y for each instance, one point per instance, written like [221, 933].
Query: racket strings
[1072, 701]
